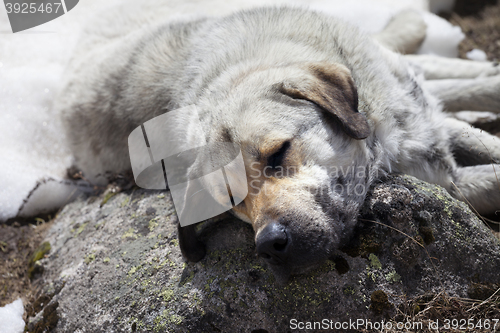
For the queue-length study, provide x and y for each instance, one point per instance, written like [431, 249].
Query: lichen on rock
[412, 238]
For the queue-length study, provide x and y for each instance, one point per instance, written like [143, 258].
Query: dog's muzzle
[274, 243]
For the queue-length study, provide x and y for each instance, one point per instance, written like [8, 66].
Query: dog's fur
[331, 106]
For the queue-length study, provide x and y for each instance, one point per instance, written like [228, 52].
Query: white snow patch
[476, 54]
[11, 317]
[442, 38]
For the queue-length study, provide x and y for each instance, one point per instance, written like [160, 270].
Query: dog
[319, 109]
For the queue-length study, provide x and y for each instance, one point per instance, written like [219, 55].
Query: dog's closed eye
[276, 159]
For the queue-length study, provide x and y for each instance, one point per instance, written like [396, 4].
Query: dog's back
[120, 78]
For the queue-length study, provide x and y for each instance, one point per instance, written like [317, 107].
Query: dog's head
[301, 138]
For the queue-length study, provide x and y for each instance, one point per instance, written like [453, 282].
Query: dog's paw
[492, 70]
[194, 253]
[192, 249]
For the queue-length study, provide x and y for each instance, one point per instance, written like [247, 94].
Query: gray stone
[121, 270]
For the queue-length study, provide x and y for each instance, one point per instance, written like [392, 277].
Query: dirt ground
[482, 31]
[18, 243]
[20, 240]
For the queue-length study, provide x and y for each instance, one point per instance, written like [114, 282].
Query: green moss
[125, 202]
[106, 260]
[167, 295]
[39, 253]
[107, 196]
[162, 321]
[133, 270]
[176, 319]
[80, 229]
[393, 277]
[371, 275]
[374, 261]
[89, 258]
[153, 224]
[130, 233]
[146, 283]
[445, 201]
[187, 279]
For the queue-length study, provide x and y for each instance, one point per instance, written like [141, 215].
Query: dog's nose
[273, 243]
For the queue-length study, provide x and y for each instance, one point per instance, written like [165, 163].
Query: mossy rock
[39, 253]
[411, 238]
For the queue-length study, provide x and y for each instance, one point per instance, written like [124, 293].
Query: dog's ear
[331, 87]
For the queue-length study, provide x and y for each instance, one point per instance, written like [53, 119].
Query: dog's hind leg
[435, 67]
[404, 33]
[482, 94]
[479, 186]
[470, 145]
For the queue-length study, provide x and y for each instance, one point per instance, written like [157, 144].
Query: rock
[118, 268]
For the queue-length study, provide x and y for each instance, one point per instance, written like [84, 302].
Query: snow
[11, 317]
[32, 145]
[477, 55]
[442, 38]
[34, 155]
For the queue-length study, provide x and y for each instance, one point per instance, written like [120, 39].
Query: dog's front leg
[192, 249]
[470, 145]
[481, 94]
[477, 179]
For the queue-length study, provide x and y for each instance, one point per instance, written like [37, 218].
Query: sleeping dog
[319, 110]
